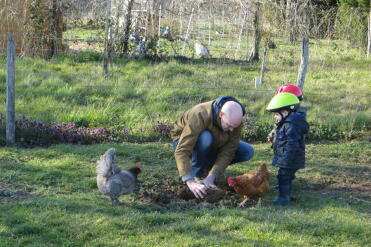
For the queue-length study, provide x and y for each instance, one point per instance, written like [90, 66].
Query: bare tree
[56, 28]
[254, 56]
[125, 41]
[291, 9]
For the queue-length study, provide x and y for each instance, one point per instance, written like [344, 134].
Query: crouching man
[206, 139]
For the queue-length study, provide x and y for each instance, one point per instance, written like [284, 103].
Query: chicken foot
[116, 202]
[243, 203]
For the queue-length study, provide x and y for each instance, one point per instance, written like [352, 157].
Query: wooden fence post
[241, 32]
[10, 92]
[304, 63]
[209, 43]
[257, 79]
[188, 31]
[159, 30]
[369, 33]
[263, 66]
[106, 41]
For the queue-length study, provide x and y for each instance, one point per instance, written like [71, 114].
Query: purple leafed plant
[39, 133]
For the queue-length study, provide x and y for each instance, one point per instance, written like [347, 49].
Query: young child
[289, 143]
[288, 88]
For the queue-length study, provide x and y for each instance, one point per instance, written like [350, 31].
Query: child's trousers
[285, 176]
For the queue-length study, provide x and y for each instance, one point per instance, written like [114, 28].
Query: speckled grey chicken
[112, 180]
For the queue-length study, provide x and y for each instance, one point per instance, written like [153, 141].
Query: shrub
[32, 132]
[163, 128]
[253, 130]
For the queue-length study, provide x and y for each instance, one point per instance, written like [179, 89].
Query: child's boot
[291, 198]
[284, 197]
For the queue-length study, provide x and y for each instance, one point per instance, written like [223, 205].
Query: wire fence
[171, 30]
[220, 29]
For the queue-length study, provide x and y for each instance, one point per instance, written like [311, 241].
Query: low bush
[37, 133]
[32, 132]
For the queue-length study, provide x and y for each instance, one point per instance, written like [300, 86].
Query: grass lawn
[48, 197]
[72, 88]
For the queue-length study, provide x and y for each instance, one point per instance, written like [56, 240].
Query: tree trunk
[56, 26]
[291, 7]
[125, 41]
[254, 56]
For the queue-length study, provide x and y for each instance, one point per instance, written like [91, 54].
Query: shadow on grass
[84, 57]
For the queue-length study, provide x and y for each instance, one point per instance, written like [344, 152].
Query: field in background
[137, 92]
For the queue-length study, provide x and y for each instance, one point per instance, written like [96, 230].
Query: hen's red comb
[137, 165]
[231, 181]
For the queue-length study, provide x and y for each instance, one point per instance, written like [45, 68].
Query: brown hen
[251, 184]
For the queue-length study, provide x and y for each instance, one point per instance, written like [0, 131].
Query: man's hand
[270, 139]
[209, 180]
[199, 190]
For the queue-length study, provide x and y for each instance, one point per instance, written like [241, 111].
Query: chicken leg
[242, 204]
[116, 202]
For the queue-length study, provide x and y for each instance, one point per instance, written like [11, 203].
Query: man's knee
[205, 140]
[247, 151]
[244, 152]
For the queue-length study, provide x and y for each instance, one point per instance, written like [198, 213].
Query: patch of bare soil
[78, 46]
[10, 193]
[171, 192]
[363, 189]
[359, 188]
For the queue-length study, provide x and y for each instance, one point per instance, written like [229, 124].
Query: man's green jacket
[192, 123]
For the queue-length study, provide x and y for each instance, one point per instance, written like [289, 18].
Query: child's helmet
[283, 101]
[289, 88]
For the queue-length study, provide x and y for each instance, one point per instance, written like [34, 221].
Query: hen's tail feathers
[106, 166]
[264, 170]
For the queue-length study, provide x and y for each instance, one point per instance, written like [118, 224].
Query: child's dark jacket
[289, 146]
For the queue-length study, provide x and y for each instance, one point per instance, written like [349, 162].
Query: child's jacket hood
[298, 119]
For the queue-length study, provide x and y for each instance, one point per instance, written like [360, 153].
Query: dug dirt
[171, 192]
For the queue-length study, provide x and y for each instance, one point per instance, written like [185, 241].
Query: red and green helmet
[283, 101]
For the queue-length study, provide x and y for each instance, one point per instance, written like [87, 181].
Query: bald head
[232, 113]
